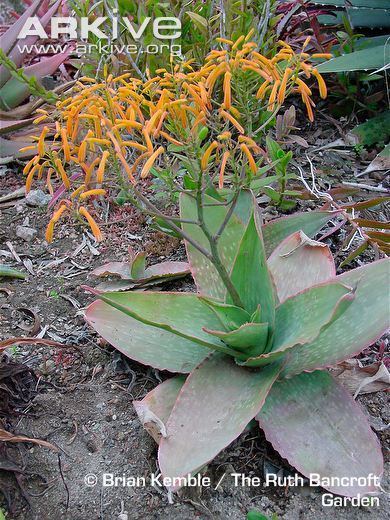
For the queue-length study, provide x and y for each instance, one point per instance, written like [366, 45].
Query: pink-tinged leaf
[168, 269]
[298, 263]
[62, 190]
[156, 407]
[206, 277]
[301, 318]
[9, 38]
[7, 126]
[14, 92]
[214, 406]
[251, 264]
[159, 272]
[116, 285]
[145, 344]
[310, 222]
[120, 269]
[15, 54]
[365, 320]
[313, 423]
[182, 314]
[10, 149]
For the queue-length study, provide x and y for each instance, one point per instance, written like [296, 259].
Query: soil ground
[81, 399]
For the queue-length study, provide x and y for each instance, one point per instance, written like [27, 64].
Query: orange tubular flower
[171, 139]
[303, 87]
[262, 90]
[92, 224]
[82, 151]
[55, 218]
[30, 177]
[91, 193]
[62, 172]
[65, 145]
[252, 162]
[325, 55]
[321, 84]
[272, 97]
[149, 163]
[102, 167]
[206, 156]
[225, 158]
[233, 121]
[308, 104]
[283, 86]
[227, 89]
[41, 142]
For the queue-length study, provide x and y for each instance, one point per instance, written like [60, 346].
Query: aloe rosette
[263, 360]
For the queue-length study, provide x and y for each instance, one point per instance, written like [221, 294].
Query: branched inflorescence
[112, 133]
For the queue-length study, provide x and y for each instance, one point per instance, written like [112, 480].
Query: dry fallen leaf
[362, 379]
[10, 437]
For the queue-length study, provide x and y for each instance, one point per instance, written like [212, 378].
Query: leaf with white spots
[313, 422]
[363, 322]
[298, 263]
[214, 406]
[206, 277]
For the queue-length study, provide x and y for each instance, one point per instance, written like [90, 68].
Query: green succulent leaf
[363, 322]
[298, 263]
[155, 408]
[180, 314]
[251, 264]
[143, 343]
[250, 338]
[214, 406]
[310, 223]
[206, 277]
[230, 316]
[302, 317]
[138, 265]
[313, 422]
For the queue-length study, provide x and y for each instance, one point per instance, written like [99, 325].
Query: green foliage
[10, 96]
[374, 130]
[256, 515]
[9, 272]
[281, 159]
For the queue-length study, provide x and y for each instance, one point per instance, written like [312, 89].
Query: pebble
[26, 233]
[37, 198]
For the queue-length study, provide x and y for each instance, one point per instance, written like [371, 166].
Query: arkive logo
[164, 27]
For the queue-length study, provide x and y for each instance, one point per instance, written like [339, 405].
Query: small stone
[37, 198]
[26, 233]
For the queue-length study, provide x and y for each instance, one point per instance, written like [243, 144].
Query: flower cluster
[114, 132]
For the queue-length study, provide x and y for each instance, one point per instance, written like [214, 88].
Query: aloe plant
[268, 317]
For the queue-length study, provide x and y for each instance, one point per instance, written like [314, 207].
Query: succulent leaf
[14, 92]
[363, 322]
[180, 314]
[143, 343]
[250, 338]
[251, 264]
[138, 265]
[313, 422]
[230, 316]
[310, 223]
[298, 263]
[155, 408]
[206, 277]
[214, 406]
[302, 317]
